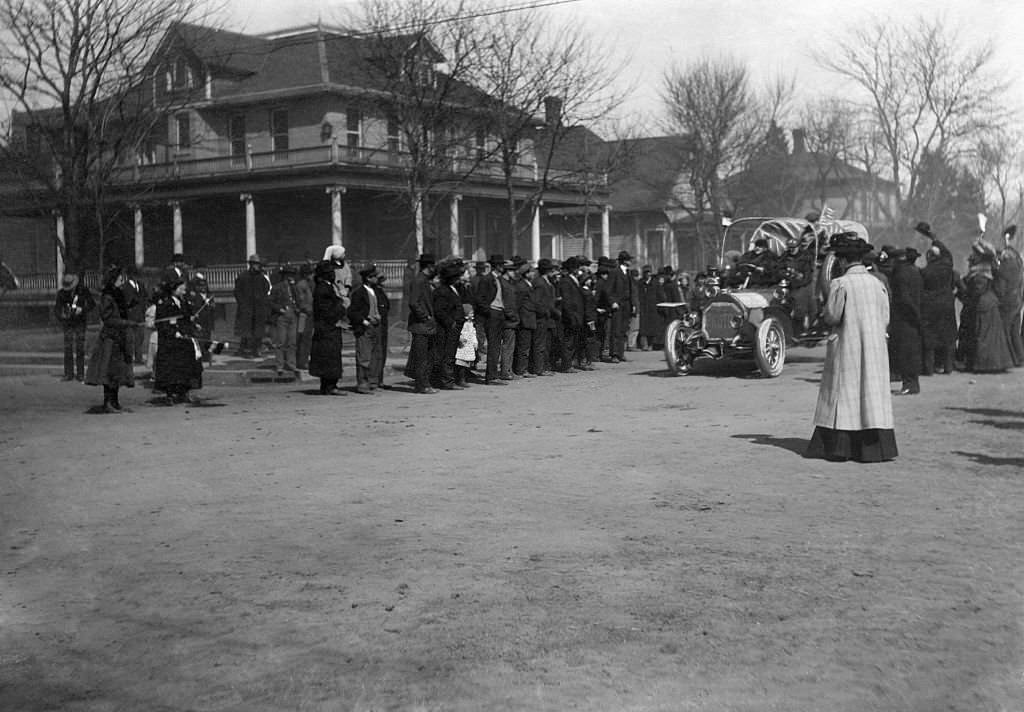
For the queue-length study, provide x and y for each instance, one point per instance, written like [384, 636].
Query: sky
[775, 37]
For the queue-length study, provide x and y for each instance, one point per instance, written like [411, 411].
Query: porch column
[60, 243]
[606, 240]
[535, 233]
[336, 191]
[419, 227]
[140, 249]
[179, 243]
[250, 224]
[454, 225]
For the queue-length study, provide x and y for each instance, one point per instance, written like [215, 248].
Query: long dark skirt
[111, 363]
[325, 353]
[176, 368]
[871, 445]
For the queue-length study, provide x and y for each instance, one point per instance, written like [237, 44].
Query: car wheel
[676, 356]
[770, 348]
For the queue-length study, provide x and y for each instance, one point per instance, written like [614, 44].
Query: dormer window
[179, 74]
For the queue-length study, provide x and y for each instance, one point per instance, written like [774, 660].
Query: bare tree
[999, 162]
[79, 77]
[425, 52]
[532, 68]
[928, 92]
[712, 103]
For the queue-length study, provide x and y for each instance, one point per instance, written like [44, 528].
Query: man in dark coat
[74, 302]
[526, 332]
[938, 307]
[544, 303]
[422, 325]
[252, 297]
[573, 316]
[905, 320]
[450, 316]
[648, 296]
[623, 305]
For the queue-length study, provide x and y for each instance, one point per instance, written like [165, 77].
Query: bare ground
[616, 540]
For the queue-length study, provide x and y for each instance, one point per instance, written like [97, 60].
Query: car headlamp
[780, 293]
[736, 321]
[710, 290]
[689, 319]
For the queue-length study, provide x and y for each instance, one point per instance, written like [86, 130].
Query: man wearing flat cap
[1009, 287]
[853, 418]
[365, 315]
[252, 298]
[622, 295]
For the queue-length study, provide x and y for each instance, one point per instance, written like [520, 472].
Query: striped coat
[854, 392]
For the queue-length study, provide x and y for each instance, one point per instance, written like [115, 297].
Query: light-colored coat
[854, 392]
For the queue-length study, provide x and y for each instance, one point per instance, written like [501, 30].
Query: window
[183, 130]
[179, 74]
[480, 144]
[279, 130]
[394, 135]
[353, 133]
[236, 134]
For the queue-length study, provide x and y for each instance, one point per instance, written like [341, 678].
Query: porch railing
[173, 168]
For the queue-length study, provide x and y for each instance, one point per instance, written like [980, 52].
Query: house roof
[649, 174]
[311, 57]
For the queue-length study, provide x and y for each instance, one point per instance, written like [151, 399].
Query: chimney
[799, 141]
[552, 111]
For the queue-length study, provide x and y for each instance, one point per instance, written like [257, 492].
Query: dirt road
[615, 540]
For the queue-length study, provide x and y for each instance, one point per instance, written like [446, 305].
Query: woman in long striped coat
[853, 419]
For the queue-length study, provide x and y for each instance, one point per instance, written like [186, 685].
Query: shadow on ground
[990, 412]
[983, 459]
[794, 445]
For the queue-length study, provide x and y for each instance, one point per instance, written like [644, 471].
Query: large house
[285, 143]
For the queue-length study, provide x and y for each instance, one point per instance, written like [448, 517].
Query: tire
[770, 348]
[678, 360]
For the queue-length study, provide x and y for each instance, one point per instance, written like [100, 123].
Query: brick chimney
[552, 110]
[799, 141]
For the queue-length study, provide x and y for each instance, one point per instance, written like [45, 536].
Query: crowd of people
[925, 336]
[495, 321]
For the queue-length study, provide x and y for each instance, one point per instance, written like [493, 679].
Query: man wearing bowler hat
[421, 324]
[252, 297]
[621, 294]
[544, 303]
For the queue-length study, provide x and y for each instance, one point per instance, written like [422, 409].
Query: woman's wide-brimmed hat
[850, 245]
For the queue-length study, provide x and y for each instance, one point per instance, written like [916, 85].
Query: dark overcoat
[938, 304]
[176, 364]
[111, 360]
[325, 350]
[649, 294]
[252, 296]
[905, 321]
[421, 306]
